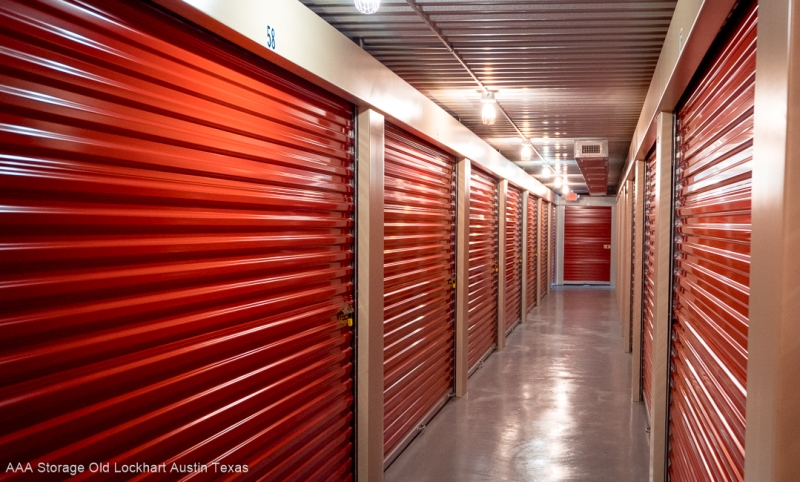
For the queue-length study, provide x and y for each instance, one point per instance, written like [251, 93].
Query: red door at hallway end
[587, 244]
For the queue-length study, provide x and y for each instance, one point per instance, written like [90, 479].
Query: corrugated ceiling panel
[563, 70]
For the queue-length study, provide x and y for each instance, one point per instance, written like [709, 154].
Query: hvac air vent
[592, 159]
[591, 149]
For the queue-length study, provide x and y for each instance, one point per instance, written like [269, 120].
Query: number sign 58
[270, 37]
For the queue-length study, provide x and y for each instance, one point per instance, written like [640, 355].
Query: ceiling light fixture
[488, 113]
[565, 189]
[545, 171]
[558, 182]
[526, 152]
[368, 6]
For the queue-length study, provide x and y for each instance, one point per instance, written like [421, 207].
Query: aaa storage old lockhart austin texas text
[135, 468]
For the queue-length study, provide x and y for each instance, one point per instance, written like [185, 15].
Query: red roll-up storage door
[176, 248]
[483, 252]
[533, 219]
[419, 303]
[712, 261]
[545, 245]
[587, 241]
[513, 257]
[648, 280]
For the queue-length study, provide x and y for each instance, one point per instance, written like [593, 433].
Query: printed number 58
[270, 37]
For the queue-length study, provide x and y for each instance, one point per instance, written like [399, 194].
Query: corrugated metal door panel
[419, 260]
[483, 252]
[545, 245]
[648, 279]
[587, 237]
[533, 219]
[176, 248]
[712, 260]
[513, 257]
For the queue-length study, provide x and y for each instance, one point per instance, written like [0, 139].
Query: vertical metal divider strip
[522, 250]
[498, 266]
[773, 394]
[549, 248]
[539, 281]
[638, 287]
[672, 204]
[631, 264]
[355, 343]
[454, 276]
[461, 293]
[643, 287]
[523, 305]
[369, 292]
[560, 218]
[501, 263]
[663, 232]
[625, 267]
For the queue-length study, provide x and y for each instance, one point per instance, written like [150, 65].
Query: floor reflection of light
[548, 458]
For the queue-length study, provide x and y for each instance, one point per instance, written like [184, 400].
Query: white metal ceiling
[563, 70]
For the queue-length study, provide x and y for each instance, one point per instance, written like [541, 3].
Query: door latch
[346, 316]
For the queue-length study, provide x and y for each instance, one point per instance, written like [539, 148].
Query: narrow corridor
[554, 405]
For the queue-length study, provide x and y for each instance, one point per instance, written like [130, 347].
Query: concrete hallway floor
[554, 405]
